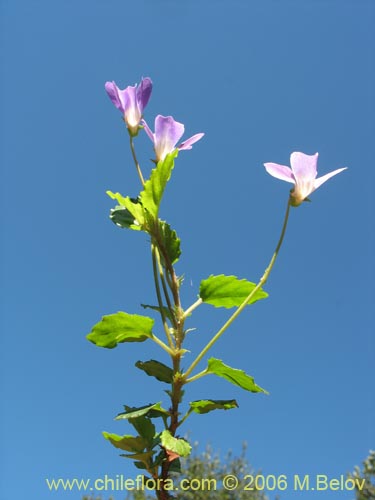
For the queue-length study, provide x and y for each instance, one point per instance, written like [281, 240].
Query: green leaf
[234, 376]
[117, 196]
[170, 241]
[134, 206]
[228, 291]
[166, 311]
[154, 187]
[121, 327]
[177, 445]
[141, 465]
[127, 443]
[207, 405]
[123, 218]
[144, 427]
[175, 466]
[141, 457]
[151, 411]
[156, 369]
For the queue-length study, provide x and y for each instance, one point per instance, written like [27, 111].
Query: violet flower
[167, 133]
[302, 174]
[131, 101]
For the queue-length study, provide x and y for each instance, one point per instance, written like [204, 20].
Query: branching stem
[261, 283]
[192, 307]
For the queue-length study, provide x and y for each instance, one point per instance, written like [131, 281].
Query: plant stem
[160, 302]
[162, 344]
[135, 160]
[197, 376]
[192, 307]
[262, 281]
[187, 414]
[165, 289]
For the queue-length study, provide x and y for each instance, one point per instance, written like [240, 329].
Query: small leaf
[151, 411]
[156, 369]
[228, 291]
[177, 445]
[207, 405]
[121, 327]
[154, 187]
[116, 196]
[234, 376]
[123, 218]
[127, 443]
[142, 457]
[170, 242]
[144, 427]
[134, 206]
[156, 308]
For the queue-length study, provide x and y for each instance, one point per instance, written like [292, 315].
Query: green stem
[262, 281]
[192, 307]
[135, 160]
[165, 289]
[197, 376]
[160, 302]
[162, 344]
[187, 414]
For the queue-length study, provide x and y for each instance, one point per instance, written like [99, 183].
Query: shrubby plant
[156, 445]
[367, 475]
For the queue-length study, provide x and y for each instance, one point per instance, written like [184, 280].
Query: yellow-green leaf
[121, 327]
[228, 291]
[233, 375]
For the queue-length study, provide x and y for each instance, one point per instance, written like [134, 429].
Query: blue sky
[261, 79]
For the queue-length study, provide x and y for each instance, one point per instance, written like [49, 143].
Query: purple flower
[167, 133]
[302, 174]
[131, 101]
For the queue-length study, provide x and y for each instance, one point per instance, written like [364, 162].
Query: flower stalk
[261, 283]
[137, 166]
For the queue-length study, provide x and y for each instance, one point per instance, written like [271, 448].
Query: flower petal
[189, 142]
[280, 172]
[144, 92]
[304, 166]
[148, 130]
[113, 93]
[132, 113]
[167, 128]
[321, 180]
[167, 133]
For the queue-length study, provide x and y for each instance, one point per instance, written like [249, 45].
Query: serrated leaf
[207, 405]
[156, 369]
[127, 443]
[152, 411]
[177, 445]
[123, 218]
[233, 375]
[121, 327]
[228, 291]
[116, 196]
[171, 242]
[154, 187]
[134, 206]
[166, 311]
